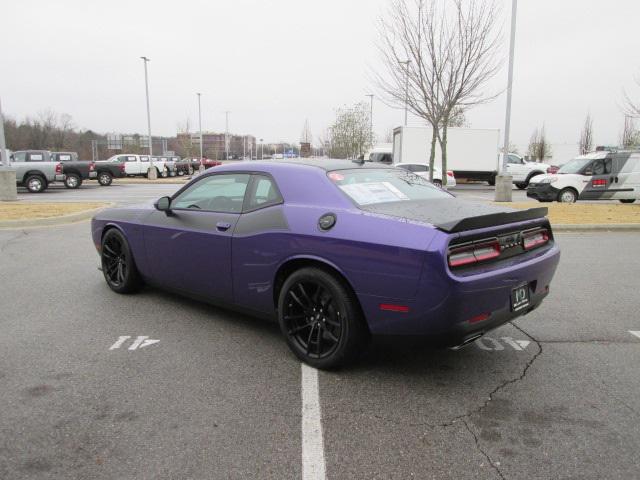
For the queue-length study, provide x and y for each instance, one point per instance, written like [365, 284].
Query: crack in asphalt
[10, 240]
[485, 454]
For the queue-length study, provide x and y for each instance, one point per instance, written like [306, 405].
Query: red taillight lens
[122, 167]
[59, 168]
[600, 182]
[474, 253]
[449, 173]
[92, 167]
[535, 239]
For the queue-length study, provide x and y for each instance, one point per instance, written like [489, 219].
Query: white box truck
[472, 153]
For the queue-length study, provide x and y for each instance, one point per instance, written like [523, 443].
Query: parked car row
[37, 169]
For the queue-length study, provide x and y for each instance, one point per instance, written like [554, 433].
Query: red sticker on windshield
[336, 177]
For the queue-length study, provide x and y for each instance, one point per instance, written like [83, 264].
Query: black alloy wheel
[320, 319]
[118, 266]
[105, 179]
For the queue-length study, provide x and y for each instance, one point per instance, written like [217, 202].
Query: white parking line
[635, 332]
[313, 466]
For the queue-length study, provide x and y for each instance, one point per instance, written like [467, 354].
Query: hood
[453, 215]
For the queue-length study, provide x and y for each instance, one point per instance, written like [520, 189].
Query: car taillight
[59, 168]
[449, 173]
[552, 169]
[534, 239]
[92, 167]
[121, 166]
[474, 253]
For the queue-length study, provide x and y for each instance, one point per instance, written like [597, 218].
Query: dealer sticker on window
[373, 192]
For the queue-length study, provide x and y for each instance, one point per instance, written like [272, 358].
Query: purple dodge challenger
[336, 251]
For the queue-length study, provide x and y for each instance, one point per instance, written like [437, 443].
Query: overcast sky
[275, 63]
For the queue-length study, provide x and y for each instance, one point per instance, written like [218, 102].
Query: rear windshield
[372, 186]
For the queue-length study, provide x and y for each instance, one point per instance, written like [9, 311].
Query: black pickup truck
[75, 171]
[107, 170]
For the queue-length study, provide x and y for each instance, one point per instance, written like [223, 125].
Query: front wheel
[321, 319]
[627, 200]
[72, 181]
[521, 186]
[118, 266]
[36, 183]
[105, 179]
[567, 195]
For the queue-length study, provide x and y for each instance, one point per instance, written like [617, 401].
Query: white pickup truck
[135, 165]
[523, 171]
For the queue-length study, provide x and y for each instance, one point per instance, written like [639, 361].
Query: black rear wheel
[627, 200]
[105, 179]
[118, 266]
[522, 186]
[320, 319]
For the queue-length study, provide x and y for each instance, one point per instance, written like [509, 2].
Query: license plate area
[520, 297]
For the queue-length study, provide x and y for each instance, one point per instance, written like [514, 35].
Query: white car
[523, 171]
[595, 176]
[140, 165]
[422, 169]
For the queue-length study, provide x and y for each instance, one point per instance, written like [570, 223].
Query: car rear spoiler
[492, 220]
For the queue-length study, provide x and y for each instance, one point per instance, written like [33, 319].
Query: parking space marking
[635, 332]
[491, 344]
[140, 342]
[313, 464]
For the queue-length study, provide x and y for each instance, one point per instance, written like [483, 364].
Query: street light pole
[200, 126]
[503, 181]
[261, 149]
[226, 136]
[370, 118]
[152, 171]
[8, 189]
[406, 90]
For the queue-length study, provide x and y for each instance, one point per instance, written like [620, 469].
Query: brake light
[92, 167]
[474, 253]
[535, 239]
[122, 167]
[390, 307]
[599, 182]
[450, 173]
[59, 168]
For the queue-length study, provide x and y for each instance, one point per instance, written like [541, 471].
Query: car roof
[326, 164]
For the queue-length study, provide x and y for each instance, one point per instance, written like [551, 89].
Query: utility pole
[226, 136]
[199, 126]
[371, 118]
[8, 189]
[152, 171]
[261, 150]
[406, 90]
[504, 186]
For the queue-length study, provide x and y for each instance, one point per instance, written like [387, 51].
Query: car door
[189, 248]
[626, 172]
[598, 178]
[130, 164]
[516, 168]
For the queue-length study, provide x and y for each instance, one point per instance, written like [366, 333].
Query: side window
[143, 158]
[124, 158]
[36, 157]
[387, 158]
[19, 156]
[608, 165]
[263, 193]
[514, 160]
[597, 167]
[419, 168]
[215, 193]
[64, 157]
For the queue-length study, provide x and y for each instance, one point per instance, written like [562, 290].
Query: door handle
[223, 226]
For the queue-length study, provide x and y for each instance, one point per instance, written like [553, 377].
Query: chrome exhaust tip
[467, 341]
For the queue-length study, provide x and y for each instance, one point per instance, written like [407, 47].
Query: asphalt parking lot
[86, 392]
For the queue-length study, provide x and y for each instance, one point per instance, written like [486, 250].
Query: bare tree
[306, 136]
[349, 134]
[631, 107]
[388, 135]
[184, 139]
[630, 137]
[586, 137]
[452, 54]
[539, 147]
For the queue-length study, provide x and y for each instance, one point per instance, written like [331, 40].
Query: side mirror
[163, 204]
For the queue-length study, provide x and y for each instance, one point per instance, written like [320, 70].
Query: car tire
[567, 195]
[164, 173]
[72, 181]
[180, 173]
[522, 186]
[627, 200]
[118, 265]
[492, 181]
[105, 179]
[313, 302]
[437, 183]
[35, 183]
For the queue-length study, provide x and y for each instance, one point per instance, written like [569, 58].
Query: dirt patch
[586, 213]
[31, 211]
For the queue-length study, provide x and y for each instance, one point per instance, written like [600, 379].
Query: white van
[595, 176]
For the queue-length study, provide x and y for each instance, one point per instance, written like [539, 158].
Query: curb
[601, 227]
[51, 221]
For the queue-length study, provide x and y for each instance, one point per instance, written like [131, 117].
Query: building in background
[214, 145]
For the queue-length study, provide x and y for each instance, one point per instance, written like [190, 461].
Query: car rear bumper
[59, 177]
[452, 309]
[542, 191]
[93, 175]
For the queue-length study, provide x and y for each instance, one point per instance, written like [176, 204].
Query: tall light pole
[152, 171]
[503, 181]
[370, 95]
[200, 125]
[8, 190]
[226, 135]
[406, 89]
[261, 149]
